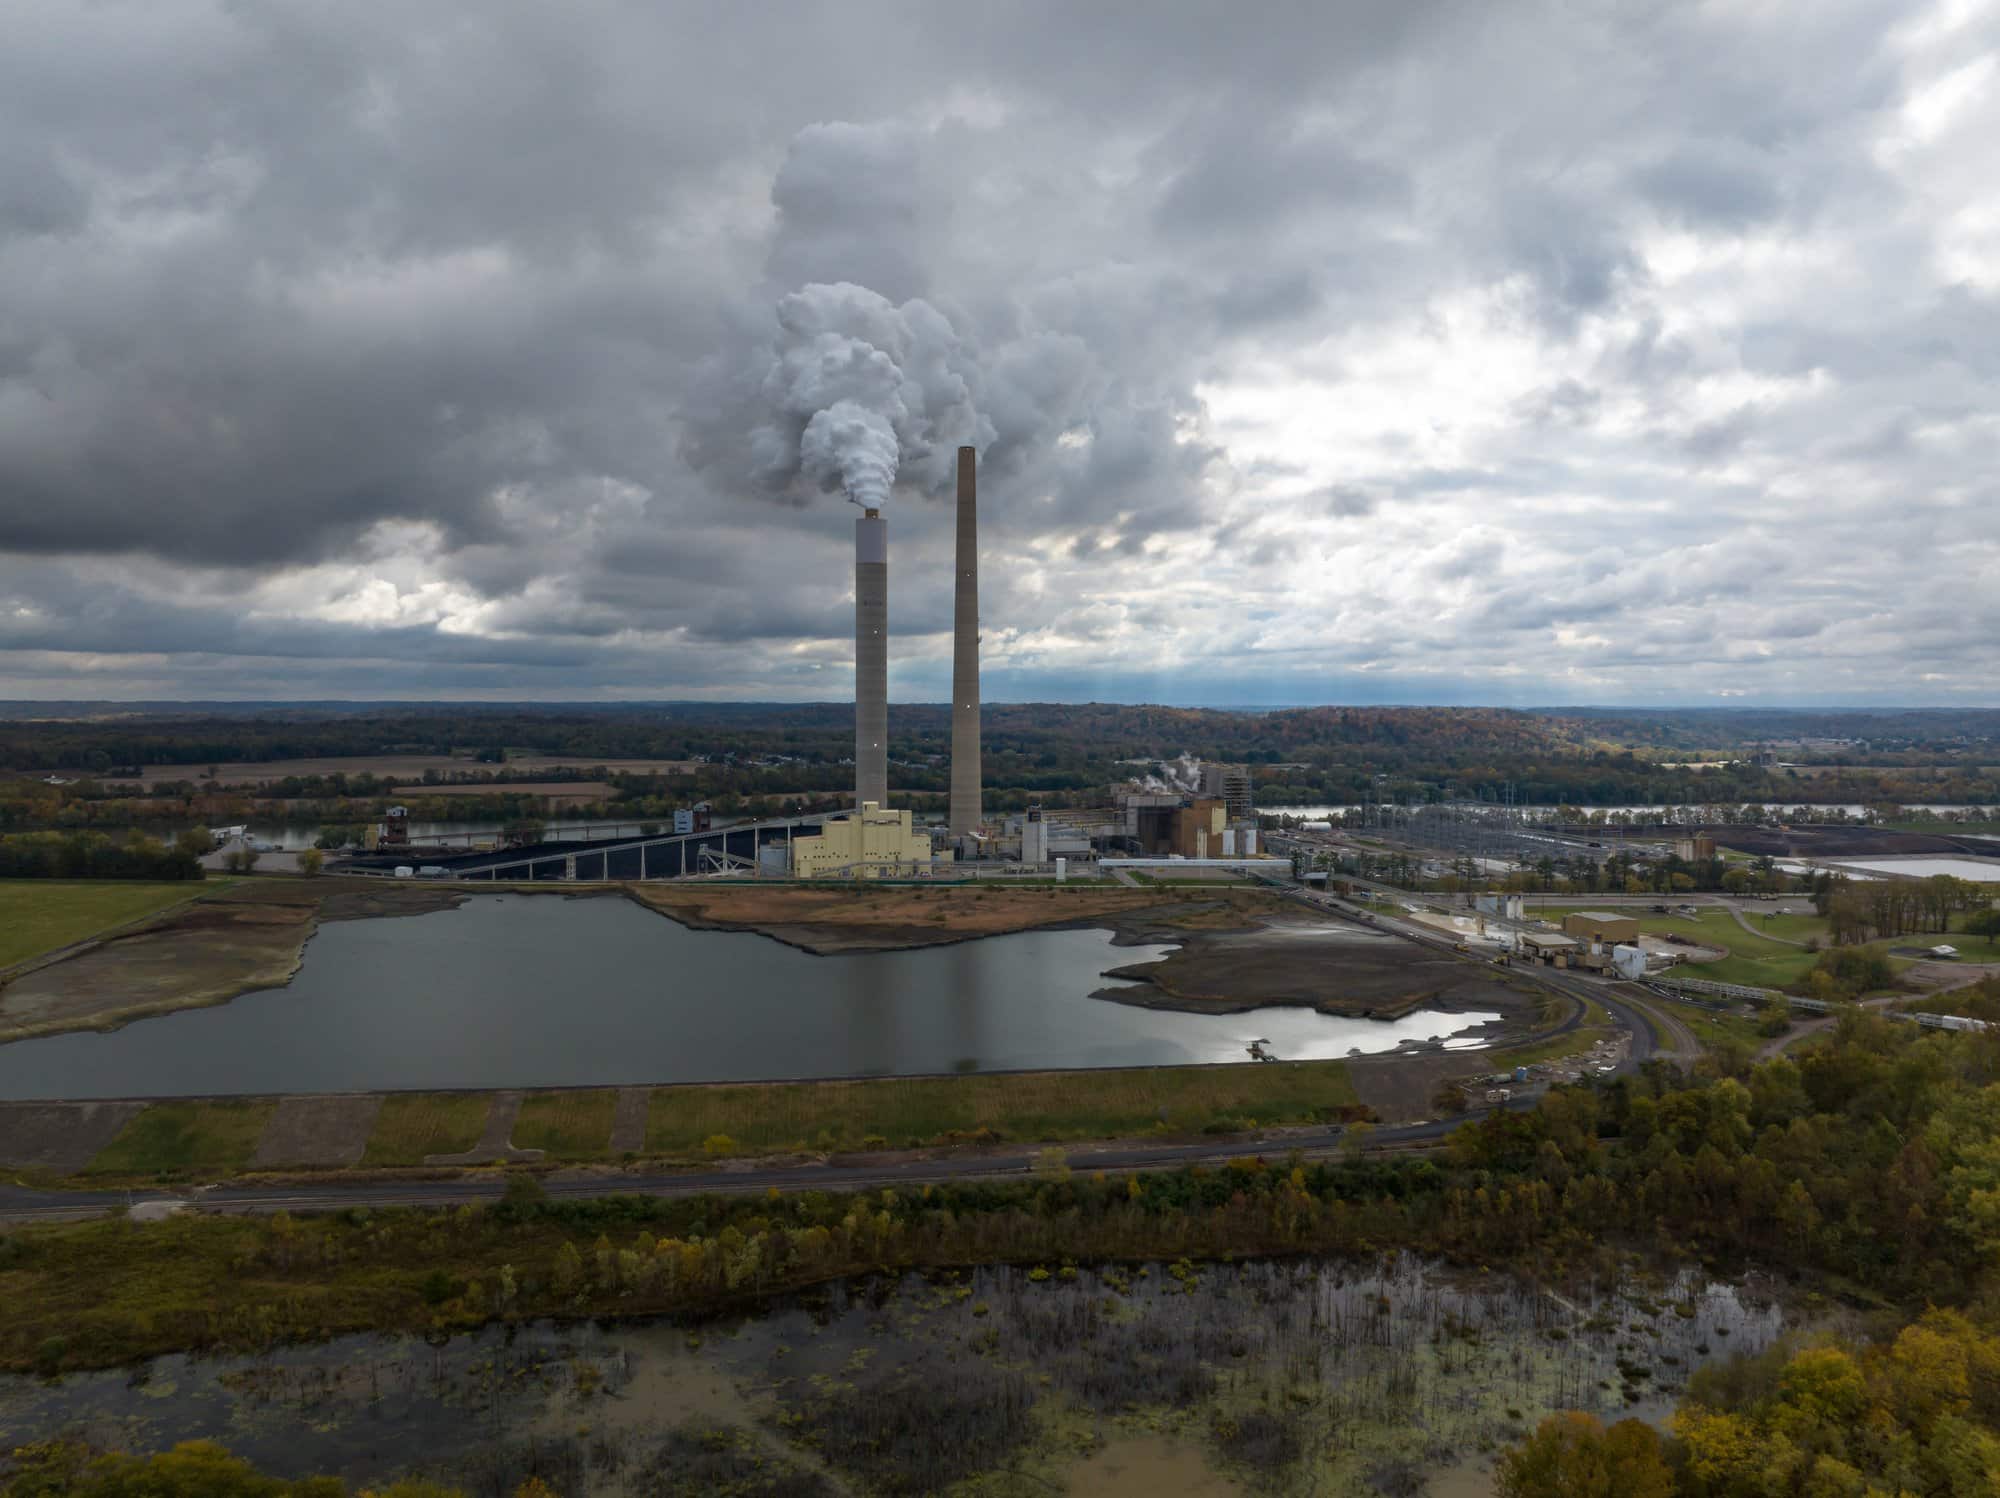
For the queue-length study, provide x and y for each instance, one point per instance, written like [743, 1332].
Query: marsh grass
[567, 1125]
[1020, 1106]
[184, 1138]
[414, 1125]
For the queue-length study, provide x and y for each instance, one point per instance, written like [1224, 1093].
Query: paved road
[1803, 1028]
[23, 1204]
[1744, 921]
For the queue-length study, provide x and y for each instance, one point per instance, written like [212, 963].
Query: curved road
[26, 1204]
[1650, 1026]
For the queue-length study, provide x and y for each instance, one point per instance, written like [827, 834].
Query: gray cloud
[379, 348]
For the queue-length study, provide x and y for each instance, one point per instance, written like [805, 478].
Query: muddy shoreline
[1330, 968]
[199, 955]
[1134, 917]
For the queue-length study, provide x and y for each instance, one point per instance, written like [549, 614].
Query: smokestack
[965, 815]
[871, 659]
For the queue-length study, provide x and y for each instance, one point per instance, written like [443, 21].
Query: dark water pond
[542, 991]
[1302, 1376]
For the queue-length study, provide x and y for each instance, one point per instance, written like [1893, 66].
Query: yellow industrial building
[872, 843]
[1198, 829]
[1601, 926]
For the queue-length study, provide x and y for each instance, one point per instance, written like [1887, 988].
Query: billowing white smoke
[853, 448]
[862, 392]
[1182, 777]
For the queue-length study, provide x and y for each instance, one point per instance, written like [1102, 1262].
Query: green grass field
[1801, 925]
[567, 1125]
[1754, 961]
[41, 915]
[1022, 1106]
[180, 1138]
[1970, 948]
[432, 1123]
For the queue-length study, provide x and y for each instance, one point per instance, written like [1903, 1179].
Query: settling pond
[1136, 1382]
[543, 991]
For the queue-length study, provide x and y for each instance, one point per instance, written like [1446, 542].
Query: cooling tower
[871, 659]
[965, 817]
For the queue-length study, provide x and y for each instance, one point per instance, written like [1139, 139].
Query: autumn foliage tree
[1572, 1455]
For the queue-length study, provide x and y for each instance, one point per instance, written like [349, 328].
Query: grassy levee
[413, 1125]
[1040, 1106]
[567, 1125]
[43, 915]
[169, 1139]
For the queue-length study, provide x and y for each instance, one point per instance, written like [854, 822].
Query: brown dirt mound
[1334, 969]
[849, 919]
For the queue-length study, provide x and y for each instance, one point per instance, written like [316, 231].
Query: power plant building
[1229, 784]
[872, 843]
[1198, 830]
[1034, 838]
[1601, 926]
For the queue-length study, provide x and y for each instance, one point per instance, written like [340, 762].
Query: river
[549, 991]
[1689, 813]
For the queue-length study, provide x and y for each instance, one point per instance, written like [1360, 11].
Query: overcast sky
[1318, 353]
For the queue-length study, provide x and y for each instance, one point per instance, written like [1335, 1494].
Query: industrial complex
[1204, 815]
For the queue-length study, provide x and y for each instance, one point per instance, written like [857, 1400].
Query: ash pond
[546, 991]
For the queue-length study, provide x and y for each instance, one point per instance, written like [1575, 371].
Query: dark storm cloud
[1258, 172]
[433, 344]
[1712, 188]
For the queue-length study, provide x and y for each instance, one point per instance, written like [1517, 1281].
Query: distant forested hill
[1070, 751]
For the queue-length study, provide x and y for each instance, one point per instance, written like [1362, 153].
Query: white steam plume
[862, 393]
[853, 447]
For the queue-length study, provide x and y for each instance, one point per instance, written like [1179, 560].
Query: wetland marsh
[1172, 1380]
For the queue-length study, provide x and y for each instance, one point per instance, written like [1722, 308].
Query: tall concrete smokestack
[871, 659]
[965, 816]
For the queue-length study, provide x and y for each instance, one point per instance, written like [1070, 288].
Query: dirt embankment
[234, 941]
[1327, 966]
[840, 919]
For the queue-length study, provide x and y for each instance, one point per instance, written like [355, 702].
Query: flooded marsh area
[1169, 1380]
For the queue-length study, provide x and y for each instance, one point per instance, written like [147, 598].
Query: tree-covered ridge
[1070, 752]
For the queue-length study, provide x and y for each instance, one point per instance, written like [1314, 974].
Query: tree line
[1298, 755]
[92, 855]
[1868, 910]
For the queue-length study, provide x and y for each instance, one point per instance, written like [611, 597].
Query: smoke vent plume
[853, 448]
[862, 394]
